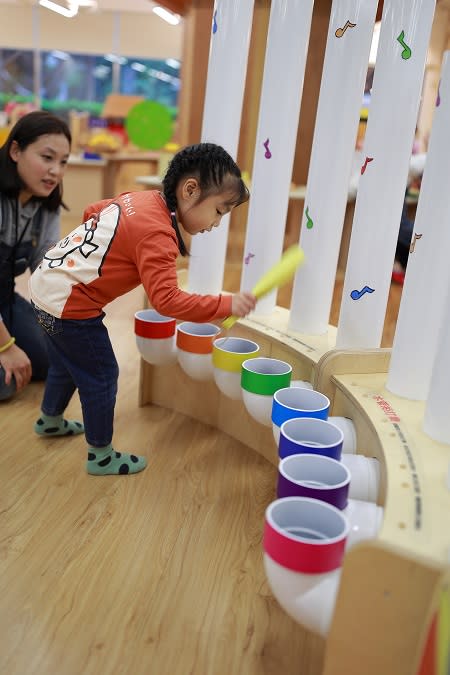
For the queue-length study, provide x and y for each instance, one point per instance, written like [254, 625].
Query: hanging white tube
[287, 47]
[404, 37]
[341, 93]
[437, 419]
[422, 305]
[227, 67]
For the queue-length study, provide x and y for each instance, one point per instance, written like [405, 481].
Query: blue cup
[311, 436]
[291, 402]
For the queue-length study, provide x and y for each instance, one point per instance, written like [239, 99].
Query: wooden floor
[158, 573]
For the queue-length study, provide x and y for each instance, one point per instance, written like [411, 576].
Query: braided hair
[215, 171]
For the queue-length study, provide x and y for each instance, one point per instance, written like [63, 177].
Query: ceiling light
[171, 18]
[68, 12]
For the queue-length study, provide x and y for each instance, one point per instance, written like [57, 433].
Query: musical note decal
[406, 53]
[356, 295]
[364, 166]
[267, 154]
[340, 31]
[438, 99]
[413, 243]
[309, 220]
[247, 258]
[214, 30]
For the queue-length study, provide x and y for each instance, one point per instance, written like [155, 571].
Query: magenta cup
[293, 402]
[155, 336]
[261, 377]
[314, 476]
[311, 436]
[305, 535]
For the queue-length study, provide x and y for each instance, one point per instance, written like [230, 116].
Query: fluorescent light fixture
[173, 19]
[173, 63]
[139, 67]
[68, 12]
[113, 58]
[58, 54]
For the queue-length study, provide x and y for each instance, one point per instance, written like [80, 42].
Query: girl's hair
[25, 132]
[215, 171]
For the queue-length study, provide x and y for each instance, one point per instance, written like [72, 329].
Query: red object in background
[428, 665]
[117, 127]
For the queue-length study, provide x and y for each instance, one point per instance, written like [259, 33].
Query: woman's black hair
[26, 131]
[215, 171]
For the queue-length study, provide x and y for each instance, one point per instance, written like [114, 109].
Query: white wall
[139, 35]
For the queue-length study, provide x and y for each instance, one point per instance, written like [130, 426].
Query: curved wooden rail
[390, 588]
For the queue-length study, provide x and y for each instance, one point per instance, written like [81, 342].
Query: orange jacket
[122, 243]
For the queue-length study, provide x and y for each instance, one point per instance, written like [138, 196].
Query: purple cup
[311, 436]
[314, 476]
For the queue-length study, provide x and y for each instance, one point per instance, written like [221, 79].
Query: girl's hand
[15, 362]
[242, 303]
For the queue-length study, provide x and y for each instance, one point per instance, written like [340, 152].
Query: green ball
[149, 125]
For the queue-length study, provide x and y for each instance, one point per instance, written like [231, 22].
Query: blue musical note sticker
[356, 295]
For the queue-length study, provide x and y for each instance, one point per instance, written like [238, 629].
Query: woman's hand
[242, 303]
[15, 362]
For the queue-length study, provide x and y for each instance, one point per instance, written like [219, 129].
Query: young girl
[32, 164]
[124, 242]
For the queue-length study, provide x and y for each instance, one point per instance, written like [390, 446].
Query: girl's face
[41, 165]
[201, 216]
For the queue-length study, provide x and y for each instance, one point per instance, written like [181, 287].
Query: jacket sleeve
[50, 234]
[156, 257]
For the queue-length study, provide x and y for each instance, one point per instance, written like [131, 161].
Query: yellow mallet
[278, 275]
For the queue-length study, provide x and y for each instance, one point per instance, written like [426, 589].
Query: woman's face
[41, 165]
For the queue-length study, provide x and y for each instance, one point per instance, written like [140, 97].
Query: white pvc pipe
[309, 598]
[341, 92]
[437, 418]
[365, 477]
[230, 39]
[404, 37]
[423, 305]
[287, 47]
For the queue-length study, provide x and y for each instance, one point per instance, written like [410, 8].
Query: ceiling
[141, 6]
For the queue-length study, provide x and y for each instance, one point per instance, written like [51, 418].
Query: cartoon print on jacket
[76, 242]
[78, 258]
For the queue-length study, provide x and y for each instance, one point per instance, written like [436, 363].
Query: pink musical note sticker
[364, 166]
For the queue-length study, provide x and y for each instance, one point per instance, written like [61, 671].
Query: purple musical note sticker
[438, 99]
[267, 154]
[214, 30]
[247, 258]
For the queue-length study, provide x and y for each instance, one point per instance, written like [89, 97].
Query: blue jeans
[81, 357]
[20, 320]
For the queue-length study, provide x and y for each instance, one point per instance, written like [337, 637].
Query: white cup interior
[311, 431]
[314, 471]
[152, 316]
[236, 345]
[200, 329]
[301, 399]
[307, 519]
[267, 366]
